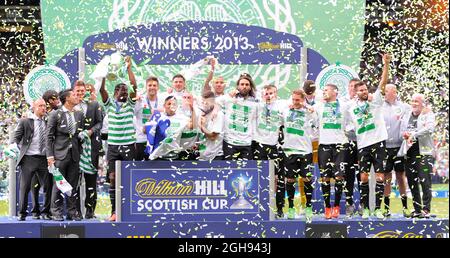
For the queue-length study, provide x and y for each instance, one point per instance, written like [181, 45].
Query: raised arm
[206, 86]
[103, 91]
[385, 73]
[192, 124]
[131, 77]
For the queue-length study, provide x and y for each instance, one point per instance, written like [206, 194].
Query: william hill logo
[149, 187]
[394, 234]
[175, 196]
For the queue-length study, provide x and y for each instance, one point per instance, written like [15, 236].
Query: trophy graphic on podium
[241, 186]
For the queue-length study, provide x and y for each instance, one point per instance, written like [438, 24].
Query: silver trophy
[241, 186]
[114, 67]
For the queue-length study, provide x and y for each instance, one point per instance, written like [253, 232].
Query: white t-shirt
[318, 98]
[240, 120]
[209, 149]
[393, 115]
[189, 137]
[368, 120]
[298, 131]
[268, 121]
[332, 120]
[143, 113]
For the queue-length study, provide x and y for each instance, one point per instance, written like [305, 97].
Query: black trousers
[70, 170]
[30, 166]
[418, 170]
[91, 193]
[35, 187]
[350, 171]
[90, 202]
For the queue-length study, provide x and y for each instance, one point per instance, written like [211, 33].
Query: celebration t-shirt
[332, 121]
[298, 131]
[268, 121]
[367, 118]
[240, 117]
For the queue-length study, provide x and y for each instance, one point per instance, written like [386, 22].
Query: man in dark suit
[88, 167]
[63, 152]
[52, 102]
[30, 137]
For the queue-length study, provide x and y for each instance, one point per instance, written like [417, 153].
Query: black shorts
[332, 160]
[140, 151]
[352, 155]
[235, 152]
[262, 151]
[188, 155]
[374, 154]
[298, 165]
[119, 152]
[392, 162]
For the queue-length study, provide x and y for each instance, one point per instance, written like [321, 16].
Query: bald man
[393, 111]
[30, 137]
[417, 130]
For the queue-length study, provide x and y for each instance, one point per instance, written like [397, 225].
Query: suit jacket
[58, 136]
[23, 136]
[424, 131]
[94, 120]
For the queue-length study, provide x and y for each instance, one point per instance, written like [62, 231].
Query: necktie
[82, 108]
[70, 123]
[41, 135]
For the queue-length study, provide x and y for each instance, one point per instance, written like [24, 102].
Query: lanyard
[149, 103]
[364, 109]
[336, 108]
[117, 106]
[293, 115]
[267, 112]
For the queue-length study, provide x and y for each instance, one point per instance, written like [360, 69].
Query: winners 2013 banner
[193, 191]
[165, 37]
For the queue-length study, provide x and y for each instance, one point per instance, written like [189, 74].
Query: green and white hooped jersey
[121, 129]
[368, 121]
[298, 131]
[269, 118]
[332, 120]
[240, 116]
